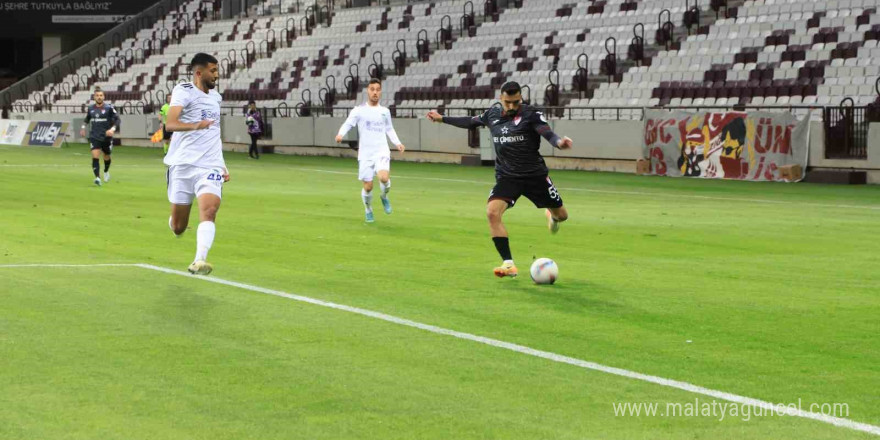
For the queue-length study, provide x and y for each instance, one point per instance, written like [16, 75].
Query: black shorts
[166, 134]
[539, 190]
[105, 146]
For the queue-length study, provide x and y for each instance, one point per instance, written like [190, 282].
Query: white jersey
[201, 148]
[374, 124]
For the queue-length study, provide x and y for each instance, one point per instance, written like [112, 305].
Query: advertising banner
[758, 146]
[45, 134]
[30, 17]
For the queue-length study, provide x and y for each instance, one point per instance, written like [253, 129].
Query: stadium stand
[591, 57]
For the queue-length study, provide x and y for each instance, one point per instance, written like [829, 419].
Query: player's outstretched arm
[466, 122]
[541, 126]
[434, 116]
[173, 123]
[565, 143]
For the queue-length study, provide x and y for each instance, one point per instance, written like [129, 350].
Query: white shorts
[188, 181]
[368, 168]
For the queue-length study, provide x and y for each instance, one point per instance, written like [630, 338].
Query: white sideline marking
[71, 165]
[684, 386]
[9, 266]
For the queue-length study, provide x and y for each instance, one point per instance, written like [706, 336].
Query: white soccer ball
[544, 271]
[249, 120]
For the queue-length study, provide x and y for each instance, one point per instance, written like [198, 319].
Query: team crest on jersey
[516, 120]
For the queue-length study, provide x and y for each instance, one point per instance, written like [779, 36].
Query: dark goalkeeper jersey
[102, 118]
[516, 139]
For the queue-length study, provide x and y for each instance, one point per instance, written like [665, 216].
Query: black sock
[107, 165]
[96, 166]
[502, 244]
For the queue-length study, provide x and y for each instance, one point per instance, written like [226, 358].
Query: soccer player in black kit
[519, 168]
[104, 121]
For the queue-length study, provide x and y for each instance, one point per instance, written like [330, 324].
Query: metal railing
[846, 131]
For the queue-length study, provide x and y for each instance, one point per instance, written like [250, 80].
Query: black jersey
[102, 118]
[516, 139]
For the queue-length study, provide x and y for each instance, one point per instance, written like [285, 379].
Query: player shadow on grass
[184, 307]
[570, 296]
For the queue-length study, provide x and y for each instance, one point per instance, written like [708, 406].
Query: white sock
[385, 187]
[367, 196]
[204, 239]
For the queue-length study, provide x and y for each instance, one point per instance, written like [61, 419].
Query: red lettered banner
[725, 145]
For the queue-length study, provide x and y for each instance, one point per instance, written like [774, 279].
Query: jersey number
[554, 194]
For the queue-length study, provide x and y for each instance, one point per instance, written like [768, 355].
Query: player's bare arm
[434, 116]
[565, 143]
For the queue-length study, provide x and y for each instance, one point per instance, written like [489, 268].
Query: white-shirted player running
[374, 157]
[195, 157]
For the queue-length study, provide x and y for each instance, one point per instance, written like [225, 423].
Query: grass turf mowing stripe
[596, 191]
[684, 386]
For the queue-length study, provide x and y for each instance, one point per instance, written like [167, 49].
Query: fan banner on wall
[754, 146]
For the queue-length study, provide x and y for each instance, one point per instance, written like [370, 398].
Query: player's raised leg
[545, 195]
[555, 216]
[494, 212]
[179, 219]
[208, 206]
[385, 186]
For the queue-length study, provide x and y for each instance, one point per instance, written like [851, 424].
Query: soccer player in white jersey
[374, 157]
[195, 157]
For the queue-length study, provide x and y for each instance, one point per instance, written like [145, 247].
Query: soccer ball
[544, 271]
[249, 120]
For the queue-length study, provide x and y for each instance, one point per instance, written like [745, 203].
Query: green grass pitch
[770, 291]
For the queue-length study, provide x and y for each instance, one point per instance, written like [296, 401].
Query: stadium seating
[765, 52]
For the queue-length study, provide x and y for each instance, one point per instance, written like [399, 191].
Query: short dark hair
[252, 102]
[511, 88]
[98, 89]
[202, 60]
[375, 81]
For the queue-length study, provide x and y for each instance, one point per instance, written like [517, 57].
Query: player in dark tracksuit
[105, 122]
[519, 168]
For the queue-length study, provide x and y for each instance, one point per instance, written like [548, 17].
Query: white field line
[12, 266]
[73, 165]
[684, 386]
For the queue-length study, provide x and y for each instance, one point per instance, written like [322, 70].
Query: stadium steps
[708, 17]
